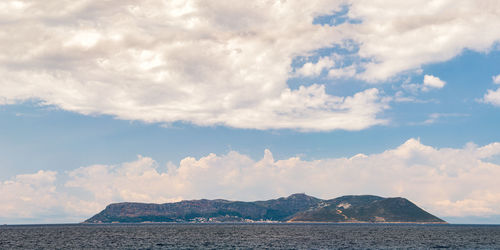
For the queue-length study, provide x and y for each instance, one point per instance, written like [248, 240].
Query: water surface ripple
[250, 236]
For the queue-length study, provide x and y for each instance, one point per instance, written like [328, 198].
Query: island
[295, 208]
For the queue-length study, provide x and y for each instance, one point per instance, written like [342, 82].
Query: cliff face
[294, 208]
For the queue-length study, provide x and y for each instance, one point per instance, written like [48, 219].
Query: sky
[160, 101]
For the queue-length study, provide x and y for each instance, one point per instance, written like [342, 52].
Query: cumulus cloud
[28, 195]
[213, 63]
[493, 96]
[446, 181]
[431, 81]
[496, 79]
[207, 63]
[314, 69]
[400, 36]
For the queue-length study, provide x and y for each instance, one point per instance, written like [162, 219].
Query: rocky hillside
[294, 208]
[366, 208]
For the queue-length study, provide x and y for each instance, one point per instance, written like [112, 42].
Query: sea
[249, 236]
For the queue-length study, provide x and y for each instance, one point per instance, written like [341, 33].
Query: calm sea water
[217, 236]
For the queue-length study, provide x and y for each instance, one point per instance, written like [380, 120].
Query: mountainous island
[294, 208]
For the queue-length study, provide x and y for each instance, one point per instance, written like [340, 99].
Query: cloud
[496, 79]
[435, 117]
[400, 96]
[431, 81]
[206, 63]
[29, 195]
[446, 181]
[212, 63]
[493, 96]
[314, 69]
[348, 71]
[396, 37]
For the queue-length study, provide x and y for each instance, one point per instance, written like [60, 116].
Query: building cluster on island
[223, 219]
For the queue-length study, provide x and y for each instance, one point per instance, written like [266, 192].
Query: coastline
[369, 222]
[273, 222]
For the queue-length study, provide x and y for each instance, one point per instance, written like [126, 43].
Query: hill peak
[299, 196]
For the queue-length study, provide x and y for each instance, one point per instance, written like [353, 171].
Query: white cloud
[314, 69]
[435, 117]
[400, 96]
[348, 71]
[207, 63]
[431, 81]
[492, 97]
[446, 181]
[399, 36]
[28, 195]
[496, 79]
[212, 63]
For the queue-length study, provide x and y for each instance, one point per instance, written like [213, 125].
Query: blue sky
[159, 102]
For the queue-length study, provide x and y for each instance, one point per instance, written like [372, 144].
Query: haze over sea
[257, 236]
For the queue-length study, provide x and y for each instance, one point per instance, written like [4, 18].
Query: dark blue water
[281, 236]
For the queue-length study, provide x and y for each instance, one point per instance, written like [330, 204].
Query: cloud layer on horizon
[447, 182]
[212, 63]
